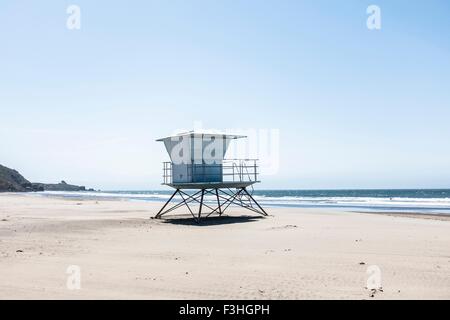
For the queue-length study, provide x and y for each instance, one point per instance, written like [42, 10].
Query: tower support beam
[223, 198]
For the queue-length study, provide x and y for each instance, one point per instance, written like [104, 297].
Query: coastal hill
[62, 186]
[13, 181]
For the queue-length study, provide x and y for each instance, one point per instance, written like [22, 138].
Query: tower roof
[204, 133]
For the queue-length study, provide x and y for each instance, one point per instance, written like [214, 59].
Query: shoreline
[107, 196]
[413, 215]
[406, 214]
[292, 254]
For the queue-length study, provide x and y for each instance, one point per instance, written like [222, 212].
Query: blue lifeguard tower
[197, 162]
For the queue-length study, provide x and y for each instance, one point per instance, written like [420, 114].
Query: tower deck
[211, 185]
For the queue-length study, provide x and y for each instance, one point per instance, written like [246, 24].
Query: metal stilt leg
[158, 215]
[260, 208]
[218, 203]
[224, 200]
[201, 204]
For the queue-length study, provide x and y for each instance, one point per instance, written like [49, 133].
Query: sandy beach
[292, 254]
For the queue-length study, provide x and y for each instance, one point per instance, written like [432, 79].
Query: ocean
[425, 201]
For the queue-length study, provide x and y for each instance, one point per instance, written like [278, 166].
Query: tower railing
[233, 170]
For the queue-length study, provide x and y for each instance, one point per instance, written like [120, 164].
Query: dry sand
[293, 254]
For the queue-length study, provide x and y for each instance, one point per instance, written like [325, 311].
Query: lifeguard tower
[198, 163]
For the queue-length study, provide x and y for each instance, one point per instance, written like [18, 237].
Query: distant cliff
[62, 186]
[13, 181]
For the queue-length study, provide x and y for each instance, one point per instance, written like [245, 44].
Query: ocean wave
[400, 202]
[445, 202]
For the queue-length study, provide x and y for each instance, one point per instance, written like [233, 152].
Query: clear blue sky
[355, 108]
